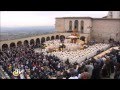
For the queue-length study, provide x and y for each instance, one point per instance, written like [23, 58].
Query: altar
[56, 45]
[70, 43]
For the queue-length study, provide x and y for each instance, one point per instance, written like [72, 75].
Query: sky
[41, 18]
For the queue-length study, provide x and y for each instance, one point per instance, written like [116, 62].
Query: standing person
[118, 57]
[90, 68]
[112, 63]
[108, 66]
[96, 72]
[85, 74]
[117, 71]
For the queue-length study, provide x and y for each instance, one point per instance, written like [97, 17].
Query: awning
[71, 37]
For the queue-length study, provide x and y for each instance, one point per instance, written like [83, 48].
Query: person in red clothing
[85, 74]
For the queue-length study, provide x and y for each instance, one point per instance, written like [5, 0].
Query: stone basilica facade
[99, 29]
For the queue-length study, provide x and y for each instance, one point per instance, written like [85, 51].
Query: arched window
[19, 43]
[52, 38]
[70, 26]
[82, 26]
[76, 25]
[4, 46]
[48, 38]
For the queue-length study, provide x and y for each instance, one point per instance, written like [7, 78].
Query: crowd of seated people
[39, 66]
[80, 55]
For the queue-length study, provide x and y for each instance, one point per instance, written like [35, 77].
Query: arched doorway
[19, 43]
[42, 40]
[82, 38]
[76, 25]
[4, 46]
[52, 38]
[82, 27]
[70, 26]
[48, 38]
[37, 41]
[62, 38]
[32, 42]
[26, 43]
[57, 37]
[12, 45]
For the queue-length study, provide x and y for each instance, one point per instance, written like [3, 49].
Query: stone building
[100, 29]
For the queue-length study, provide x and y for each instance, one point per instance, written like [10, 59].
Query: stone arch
[32, 42]
[4, 46]
[62, 37]
[82, 26]
[70, 26]
[12, 45]
[57, 37]
[82, 38]
[26, 43]
[76, 25]
[42, 40]
[19, 43]
[52, 38]
[48, 38]
[37, 41]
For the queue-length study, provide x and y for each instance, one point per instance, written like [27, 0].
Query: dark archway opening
[26, 43]
[12, 45]
[32, 42]
[57, 37]
[62, 38]
[4, 47]
[52, 38]
[42, 40]
[48, 38]
[70, 26]
[82, 38]
[82, 26]
[19, 43]
[37, 43]
[76, 25]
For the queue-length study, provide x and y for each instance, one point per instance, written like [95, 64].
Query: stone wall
[62, 24]
[103, 29]
[59, 25]
[113, 14]
[8, 42]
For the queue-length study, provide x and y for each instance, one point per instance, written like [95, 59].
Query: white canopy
[72, 36]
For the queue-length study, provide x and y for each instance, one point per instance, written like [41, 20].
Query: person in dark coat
[96, 72]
